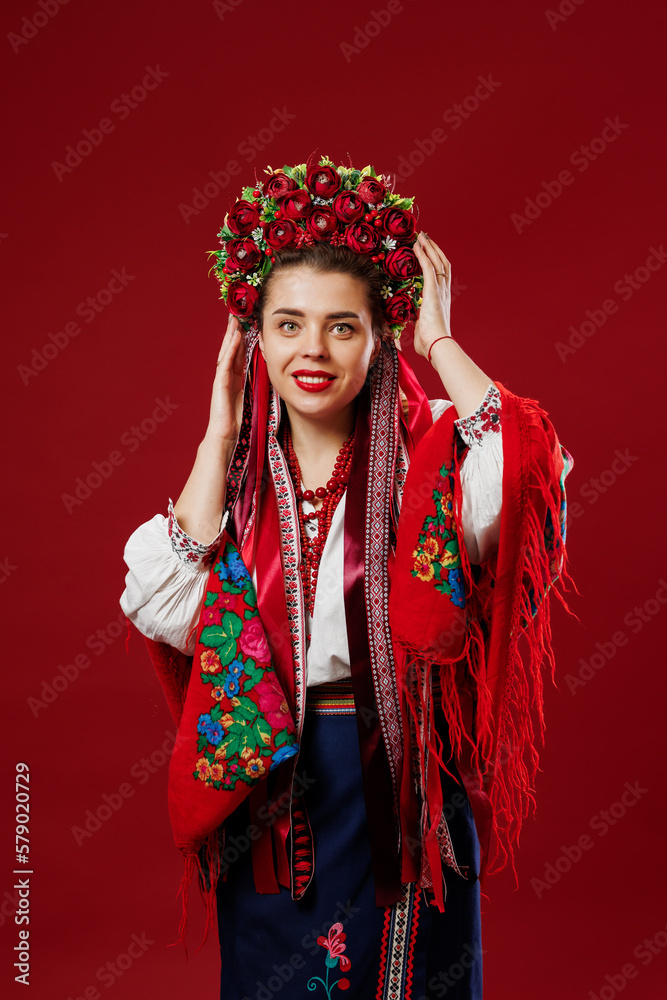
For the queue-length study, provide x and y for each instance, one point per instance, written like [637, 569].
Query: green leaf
[202, 742]
[453, 549]
[223, 637]
[289, 171]
[282, 737]
[210, 598]
[262, 730]
[253, 673]
[240, 738]
[216, 712]
[246, 708]
[231, 745]
[250, 597]
[247, 193]
[249, 740]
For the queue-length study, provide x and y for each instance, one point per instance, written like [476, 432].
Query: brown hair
[323, 258]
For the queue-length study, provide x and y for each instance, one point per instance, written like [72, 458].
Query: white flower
[389, 242]
[258, 235]
[386, 292]
[254, 278]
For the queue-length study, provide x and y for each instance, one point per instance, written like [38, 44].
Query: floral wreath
[315, 203]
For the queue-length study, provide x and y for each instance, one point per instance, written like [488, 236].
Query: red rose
[399, 308]
[280, 233]
[321, 222]
[279, 185]
[371, 191]
[243, 218]
[348, 206]
[243, 254]
[323, 182]
[401, 263]
[363, 238]
[241, 299]
[397, 223]
[296, 204]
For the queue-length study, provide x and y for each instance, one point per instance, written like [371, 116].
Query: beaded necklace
[312, 547]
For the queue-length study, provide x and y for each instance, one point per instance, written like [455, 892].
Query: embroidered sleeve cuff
[196, 554]
[484, 422]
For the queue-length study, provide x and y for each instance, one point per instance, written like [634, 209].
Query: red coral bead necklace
[312, 547]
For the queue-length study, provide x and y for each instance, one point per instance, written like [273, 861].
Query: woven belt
[333, 698]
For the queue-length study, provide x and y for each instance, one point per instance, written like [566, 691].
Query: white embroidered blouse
[168, 570]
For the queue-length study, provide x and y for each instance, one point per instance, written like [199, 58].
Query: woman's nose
[314, 343]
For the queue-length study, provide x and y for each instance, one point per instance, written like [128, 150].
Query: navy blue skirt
[335, 941]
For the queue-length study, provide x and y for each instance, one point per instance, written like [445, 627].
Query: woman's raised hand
[199, 507]
[227, 396]
[435, 310]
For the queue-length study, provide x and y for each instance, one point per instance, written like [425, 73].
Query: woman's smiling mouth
[313, 381]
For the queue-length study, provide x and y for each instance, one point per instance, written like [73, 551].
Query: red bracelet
[446, 337]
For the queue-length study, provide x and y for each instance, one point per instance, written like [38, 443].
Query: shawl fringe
[208, 875]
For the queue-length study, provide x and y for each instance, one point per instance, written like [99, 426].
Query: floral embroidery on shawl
[437, 556]
[248, 729]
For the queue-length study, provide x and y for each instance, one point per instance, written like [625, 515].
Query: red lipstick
[313, 386]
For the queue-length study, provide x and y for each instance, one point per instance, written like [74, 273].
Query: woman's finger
[445, 265]
[427, 266]
[229, 341]
[442, 265]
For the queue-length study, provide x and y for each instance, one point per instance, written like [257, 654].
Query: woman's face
[317, 340]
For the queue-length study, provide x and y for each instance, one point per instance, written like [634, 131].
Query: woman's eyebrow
[336, 315]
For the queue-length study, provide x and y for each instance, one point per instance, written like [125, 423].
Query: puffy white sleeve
[166, 582]
[481, 473]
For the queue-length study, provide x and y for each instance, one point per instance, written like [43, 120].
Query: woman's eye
[286, 323]
[342, 327]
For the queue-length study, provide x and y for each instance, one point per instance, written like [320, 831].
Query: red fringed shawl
[420, 621]
[461, 631]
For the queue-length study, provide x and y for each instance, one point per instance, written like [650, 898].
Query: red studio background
[530, 137]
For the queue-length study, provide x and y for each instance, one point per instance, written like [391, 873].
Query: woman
[376, 790]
